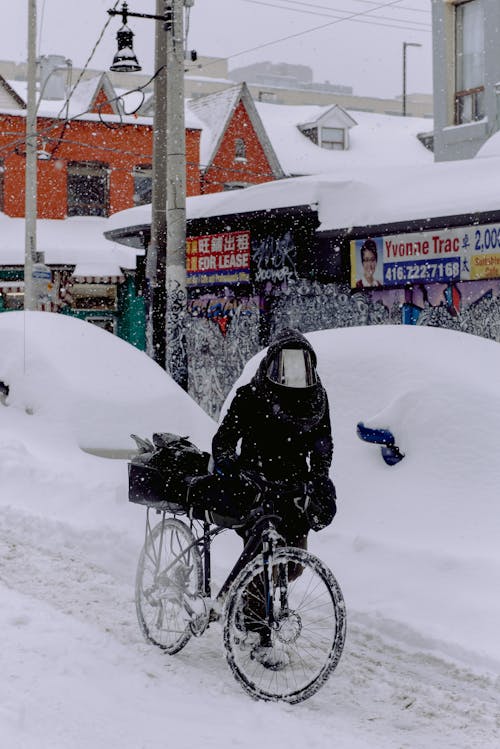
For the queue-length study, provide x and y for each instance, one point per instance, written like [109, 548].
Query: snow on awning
[98, 273]
[12, 287]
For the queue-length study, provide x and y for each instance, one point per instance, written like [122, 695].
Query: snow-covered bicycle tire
[314, 648]
[162, 621]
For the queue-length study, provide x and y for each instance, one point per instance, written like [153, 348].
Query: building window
[88, 190]
[333, 138]
[234, 186]
[240, 150]
[143, 184]
[94, 296]
[469, 62]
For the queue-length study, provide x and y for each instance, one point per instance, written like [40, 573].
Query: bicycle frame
[263, 537]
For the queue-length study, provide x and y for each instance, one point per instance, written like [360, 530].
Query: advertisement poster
[218, 258]
[463, 253]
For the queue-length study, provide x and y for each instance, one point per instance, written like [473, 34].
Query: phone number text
[421, 271]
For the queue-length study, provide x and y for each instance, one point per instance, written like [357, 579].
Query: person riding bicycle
[277, 432]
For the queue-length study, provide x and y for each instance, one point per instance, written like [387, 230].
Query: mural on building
[223, 334]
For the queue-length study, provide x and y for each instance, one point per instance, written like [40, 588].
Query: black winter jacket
[283, 433]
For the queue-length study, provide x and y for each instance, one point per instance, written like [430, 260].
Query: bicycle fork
[273, 580]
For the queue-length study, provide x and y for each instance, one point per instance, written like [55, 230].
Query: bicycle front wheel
[289, 653]
[169, 569]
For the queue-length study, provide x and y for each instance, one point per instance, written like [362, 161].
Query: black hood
[300, 408]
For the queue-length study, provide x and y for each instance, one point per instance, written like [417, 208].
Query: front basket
[149, 486]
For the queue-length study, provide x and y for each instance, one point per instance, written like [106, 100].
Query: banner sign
[462, 253]
[218, 258]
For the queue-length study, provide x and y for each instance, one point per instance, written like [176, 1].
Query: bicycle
[284, 591]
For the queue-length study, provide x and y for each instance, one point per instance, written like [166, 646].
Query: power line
[82, 71]
[404, 8]
[297, 34]
[398, 23]
[304, 4]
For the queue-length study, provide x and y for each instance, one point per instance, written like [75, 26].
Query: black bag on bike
[160, 474]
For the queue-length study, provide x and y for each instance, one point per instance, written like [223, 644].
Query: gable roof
[333, 116]
[216, 111]
[84, 97]
[9, 98]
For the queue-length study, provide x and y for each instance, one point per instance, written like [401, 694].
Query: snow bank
[416, 545]
[95, 384]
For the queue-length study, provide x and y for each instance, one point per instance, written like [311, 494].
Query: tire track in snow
[416, 699]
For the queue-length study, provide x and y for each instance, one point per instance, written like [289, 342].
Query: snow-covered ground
[414, 547]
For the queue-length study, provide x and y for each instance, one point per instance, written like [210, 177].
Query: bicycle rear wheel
[306, 637]
[169, 567]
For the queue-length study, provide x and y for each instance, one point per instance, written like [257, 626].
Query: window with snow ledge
[469, 62]
[88, 188]
[331, 138]
[240, 150]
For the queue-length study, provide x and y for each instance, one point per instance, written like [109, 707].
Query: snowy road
[68, 617]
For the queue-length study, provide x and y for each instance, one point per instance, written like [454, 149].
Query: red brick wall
[225, 169]
[121, 147]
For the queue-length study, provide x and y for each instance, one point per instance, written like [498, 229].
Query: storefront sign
[218, 258]
[442, 256]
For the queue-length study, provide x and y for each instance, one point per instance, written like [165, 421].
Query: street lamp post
[405, 45]
[30, 205]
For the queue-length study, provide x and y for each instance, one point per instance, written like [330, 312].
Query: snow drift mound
[60, 367]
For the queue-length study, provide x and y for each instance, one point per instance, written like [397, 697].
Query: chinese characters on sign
[218, 258]
[443, 256]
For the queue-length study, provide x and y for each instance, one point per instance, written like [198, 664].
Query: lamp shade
[125, 60]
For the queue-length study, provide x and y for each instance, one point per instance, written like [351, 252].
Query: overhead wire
[402, 8]
[296, 35]
[376, 21]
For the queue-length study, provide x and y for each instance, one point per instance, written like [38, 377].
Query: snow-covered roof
[83, 99]
[490, 148]
[73, 241]
[357, 197]
[374, 139]
[370, 196]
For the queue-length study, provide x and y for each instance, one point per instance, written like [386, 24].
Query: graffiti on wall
[274, 258]
[218, 360]
[176, 351]
[472, 307]
[223, 309]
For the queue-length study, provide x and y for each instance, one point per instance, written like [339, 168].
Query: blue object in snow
[390, 451]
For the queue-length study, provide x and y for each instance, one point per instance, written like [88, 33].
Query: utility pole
[157, 250]
[30, 206]
[176, 353]
[166, 260]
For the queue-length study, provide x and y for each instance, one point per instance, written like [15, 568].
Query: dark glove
[320, 507]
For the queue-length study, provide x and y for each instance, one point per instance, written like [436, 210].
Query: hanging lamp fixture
[125, 60]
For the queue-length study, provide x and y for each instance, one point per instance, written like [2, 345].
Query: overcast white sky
[359, 44]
